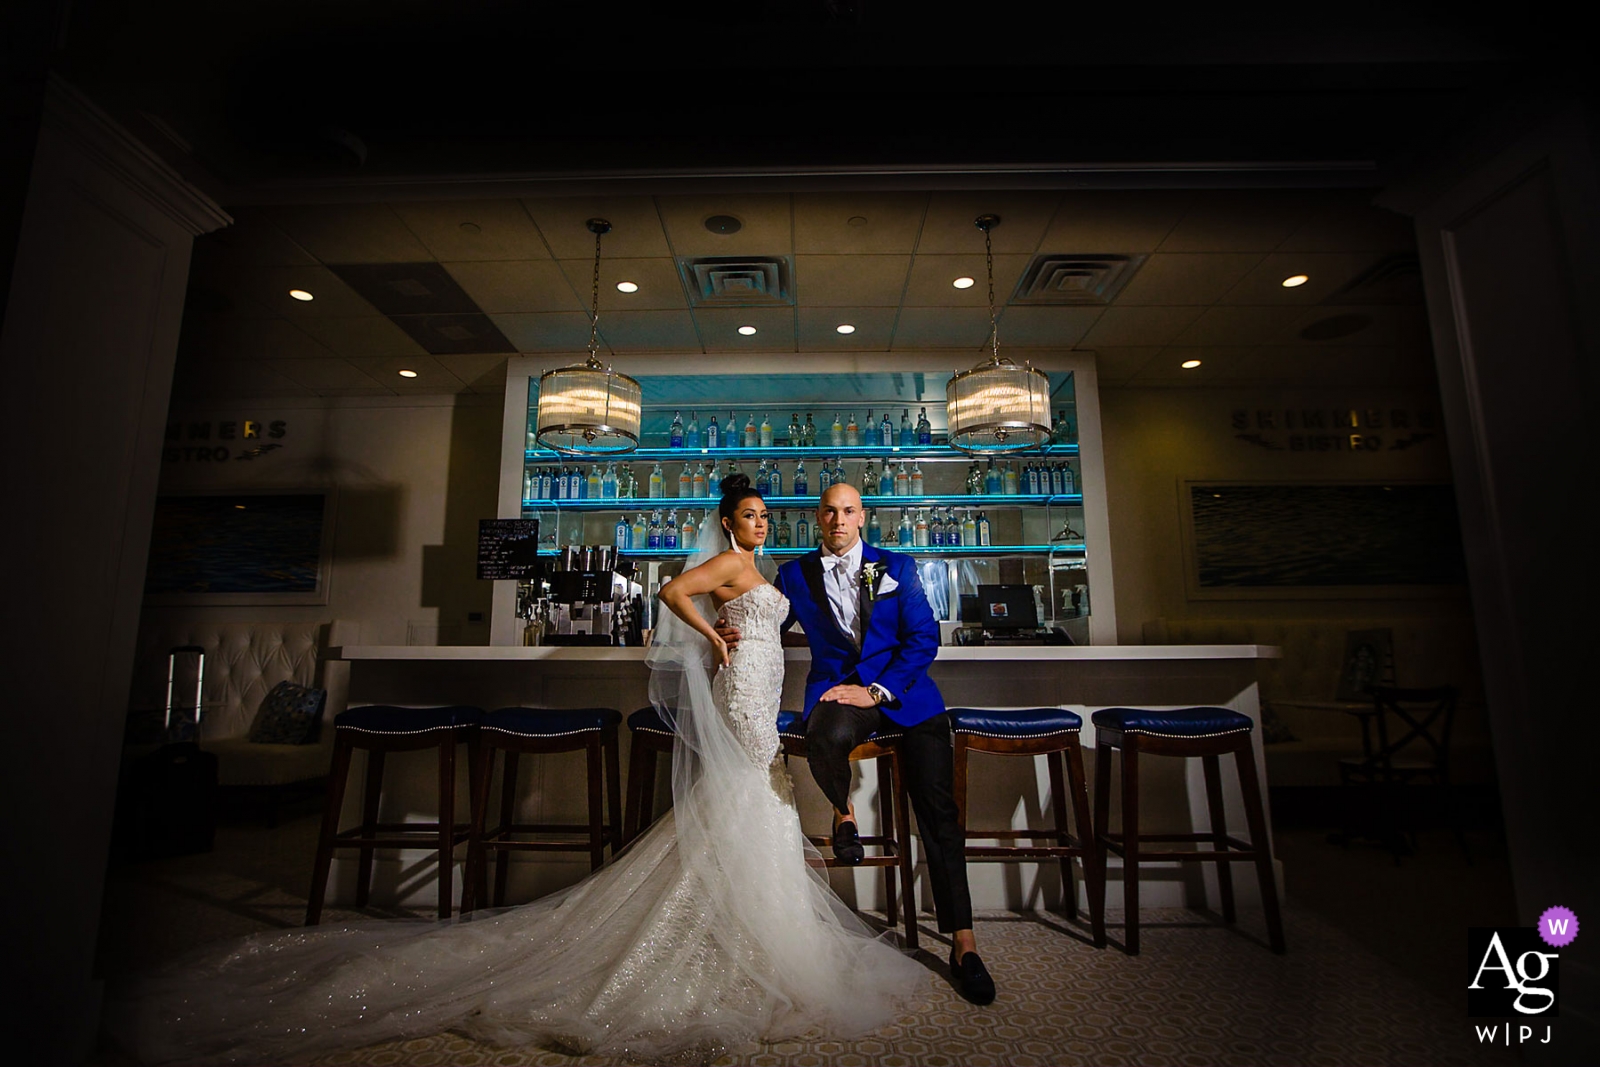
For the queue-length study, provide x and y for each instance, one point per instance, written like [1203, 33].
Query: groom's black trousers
[834, 729]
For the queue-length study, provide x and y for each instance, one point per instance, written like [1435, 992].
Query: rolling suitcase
[169, 796]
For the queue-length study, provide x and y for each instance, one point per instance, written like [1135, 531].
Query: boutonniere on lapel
[869, 579]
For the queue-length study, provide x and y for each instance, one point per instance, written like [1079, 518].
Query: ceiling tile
[1193, 278]
[966, 328]
[850, 281]
[1326, 272]
[509, 286]
[1043, 327]
[482, 373]
[1239, 326]
[767, 226]
[1218, 364]
[891, 222]
[1099, 222]
[566, 331]
[252, 241]
[1253, 220]
[227, 338]
[662, 331]
[373, 335]
[1138, 326]
[873, 327]
[467, 230]
[1120, 364]
[319, 375]
[719, 329]
[931, 275]
[351, 233]
[635, 226]
[950, 229]
[1350, 224]
[1343, 327]
[241, 379]
[659, 286]
[431, 377]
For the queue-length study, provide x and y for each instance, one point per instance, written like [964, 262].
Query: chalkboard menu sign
[508, 548]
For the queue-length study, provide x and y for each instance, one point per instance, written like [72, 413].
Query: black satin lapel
[811, 567]
[869, 601]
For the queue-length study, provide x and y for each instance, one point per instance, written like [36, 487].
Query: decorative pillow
[290, 715]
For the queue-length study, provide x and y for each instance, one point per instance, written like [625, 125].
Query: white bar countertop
[947, 653]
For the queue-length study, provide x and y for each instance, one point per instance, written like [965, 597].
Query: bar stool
[1206, 733]
[895, 812]
[650, 736]
[1054, 734]
[379, 729]
[515, 731]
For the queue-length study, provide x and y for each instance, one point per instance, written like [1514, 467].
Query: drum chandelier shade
[997, 406]
[589, 409]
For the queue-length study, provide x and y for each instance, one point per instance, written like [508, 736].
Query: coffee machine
[592, 598]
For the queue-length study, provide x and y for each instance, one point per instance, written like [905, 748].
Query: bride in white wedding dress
[708, 934]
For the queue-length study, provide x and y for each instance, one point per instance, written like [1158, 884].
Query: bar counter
[1010, 791]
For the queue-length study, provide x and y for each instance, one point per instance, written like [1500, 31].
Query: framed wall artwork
[246, 547]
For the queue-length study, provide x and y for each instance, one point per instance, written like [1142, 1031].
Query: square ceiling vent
[738, 281]
[1075, 279]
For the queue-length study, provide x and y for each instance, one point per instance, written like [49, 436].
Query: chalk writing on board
[508, 548]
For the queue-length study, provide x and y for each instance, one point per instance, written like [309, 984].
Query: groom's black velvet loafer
[847, 844]
[972, 978]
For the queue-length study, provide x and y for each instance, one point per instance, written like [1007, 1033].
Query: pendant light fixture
[589, 409]
[997, 406]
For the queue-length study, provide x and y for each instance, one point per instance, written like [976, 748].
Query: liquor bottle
[924, 429]
[656, 480]
[580, 484]
[902, 480]
[627, 487]
[874, 529]
[766, 432]
[810, 431]
[983, 531]
[836, 432]
[969, 529]
[621, 534]
[838, 471]
[691, 433]
[920, 531]
[907, 532]
[1054, 473]
[935, 529]
[528, 484]
[685, 482]
[824, 477]
[801, 484]
[752, 436]
[993, 482]
[886, 431]
[974, 483]
[731, 436]
[1031, 476]
[689, 536]
[547, 480]
[594, 484]
[638, 535]
[797, 433]
[886, 480]
[669, 532]
[608, 482]
[733, 466]
[697, 485]
[713, 434]
[785, 532]
[802, 531]
[852, 432]
[1063, 430]
[675, 431]
[869, 478]
[775, 479]
[532, 440]
[714, 479]
[916, 479]
[563, 483]
[1069, 479]
[653, 539]
[908, 436]
[1012, 485]
[763, 481]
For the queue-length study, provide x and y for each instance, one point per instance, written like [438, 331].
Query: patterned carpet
[1198, 994]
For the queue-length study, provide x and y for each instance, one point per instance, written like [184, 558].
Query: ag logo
[1513, 973]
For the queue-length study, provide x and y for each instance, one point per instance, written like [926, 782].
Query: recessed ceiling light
[747, 330]
[1189, 364]
[845, 327]
[627, 287]
[408, 374]
[1294, 280]
[963, 283]
[300, 294]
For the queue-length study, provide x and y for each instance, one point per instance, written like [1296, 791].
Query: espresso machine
[592, 599]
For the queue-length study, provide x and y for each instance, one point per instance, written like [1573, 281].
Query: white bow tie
[832, 562]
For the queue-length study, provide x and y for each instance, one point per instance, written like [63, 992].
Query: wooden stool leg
[1219, 831]
[508, 816]
[597, 822]
[635, 805]
[613, 790]
[447, 821]
[338, 776]
[1094, 864]
[1102, 812]
[889, 828]
[1256, 815]
[369, 823]
[1058, 807]
[474, 883]
[902, 816]
[1130, 842]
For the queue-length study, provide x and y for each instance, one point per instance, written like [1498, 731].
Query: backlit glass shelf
[1074, 548]
[889, 503]
[782, 452]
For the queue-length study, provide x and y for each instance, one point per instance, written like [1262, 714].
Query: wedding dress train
[708, 934]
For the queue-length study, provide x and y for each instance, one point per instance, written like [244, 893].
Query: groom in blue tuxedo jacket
[872, 637]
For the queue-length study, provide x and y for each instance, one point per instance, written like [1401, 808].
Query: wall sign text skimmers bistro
[1334, 429]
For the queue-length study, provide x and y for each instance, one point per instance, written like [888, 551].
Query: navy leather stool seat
[893, 841]
[380, 729]
[1054, 734]
[1207, 733]
[518, 731]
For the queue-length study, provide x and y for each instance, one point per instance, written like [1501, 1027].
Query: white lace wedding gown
[708, 934]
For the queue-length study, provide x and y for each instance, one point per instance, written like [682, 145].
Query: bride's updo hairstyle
[736, 489]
